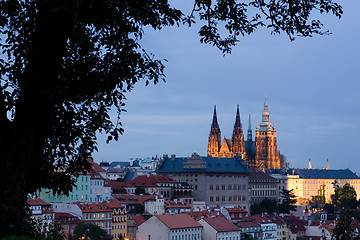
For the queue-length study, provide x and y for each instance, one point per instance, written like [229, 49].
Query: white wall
[154, 228]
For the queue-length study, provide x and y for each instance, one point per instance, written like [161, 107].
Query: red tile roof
[176, 221]
[95, 167]
[172, 204]
[133, 199]
[260, 219]
[237, 213]
[198, 214]
[37, 202]
[221, 224]
[147, 181]
[99, 207]
[248, 224]
[294, 223]
[139, 219]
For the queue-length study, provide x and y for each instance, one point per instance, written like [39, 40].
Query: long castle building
[260, 154]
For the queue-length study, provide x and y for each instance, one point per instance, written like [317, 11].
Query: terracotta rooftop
[139, 219]
[294, 223]
[147, 181]
[176, 221]
[221, 224]
[37, 202]
[99, 207]
[198, 214]
[259, 219]
[133, 199]
[248, 224]
[173, 204]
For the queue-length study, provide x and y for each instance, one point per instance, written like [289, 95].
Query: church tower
[214, 137]
[267, 155]
[237, 140]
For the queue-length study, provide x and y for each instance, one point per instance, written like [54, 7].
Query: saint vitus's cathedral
[260, 154]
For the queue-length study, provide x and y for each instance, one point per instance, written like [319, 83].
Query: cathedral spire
[214, 142]
[249, 131]
[237, 140]
[237, 119]
[265, 115]
[214, 122]
[309, 166]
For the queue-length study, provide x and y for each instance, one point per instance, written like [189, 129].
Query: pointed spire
[237, 139]
[309, 166]
[237, 119]
[249, 131]
[265, 104]
[265, 115]
[215, 122]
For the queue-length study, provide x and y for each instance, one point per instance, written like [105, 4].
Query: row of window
[193, 236]
[229, 176]
[238, 198]
[118, 227]
[260, 193]
[229, 187]
[263, 186]
[228, 238]
[97, 215]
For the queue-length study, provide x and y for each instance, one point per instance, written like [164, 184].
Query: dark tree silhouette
[345, 197]
[90, 231]
[289, 201]
[66, 63]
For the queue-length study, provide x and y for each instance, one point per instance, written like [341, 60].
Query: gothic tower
[237, 140]
[267, 155]
[214, 137]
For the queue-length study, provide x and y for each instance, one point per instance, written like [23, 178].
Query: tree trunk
[16, 151]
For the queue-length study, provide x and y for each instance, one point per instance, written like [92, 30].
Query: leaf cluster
[68, 63]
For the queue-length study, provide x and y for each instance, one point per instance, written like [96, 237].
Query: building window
[223, 198]
[211, 199]
[230, 187]
[217, 187]
[217, 198]
[222, 186]
[211, 187]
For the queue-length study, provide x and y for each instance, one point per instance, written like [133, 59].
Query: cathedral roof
[323, 173]
[210, 164]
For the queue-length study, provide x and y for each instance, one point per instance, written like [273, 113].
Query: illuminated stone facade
[307, 182]
[260, 154]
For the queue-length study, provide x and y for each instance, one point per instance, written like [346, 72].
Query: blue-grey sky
[312, 86]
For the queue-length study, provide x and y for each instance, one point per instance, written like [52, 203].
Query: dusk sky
[312, 86]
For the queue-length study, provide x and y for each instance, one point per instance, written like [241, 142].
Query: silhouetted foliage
[139, 190]
[88, 231]
[66, 63]
[289, 201]
[345, 197]
[137, 209]
[343, 229]
[265, 206]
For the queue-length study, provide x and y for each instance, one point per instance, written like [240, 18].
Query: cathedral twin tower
[260, 154]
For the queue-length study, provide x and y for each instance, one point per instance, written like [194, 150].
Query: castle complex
[260, 154]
